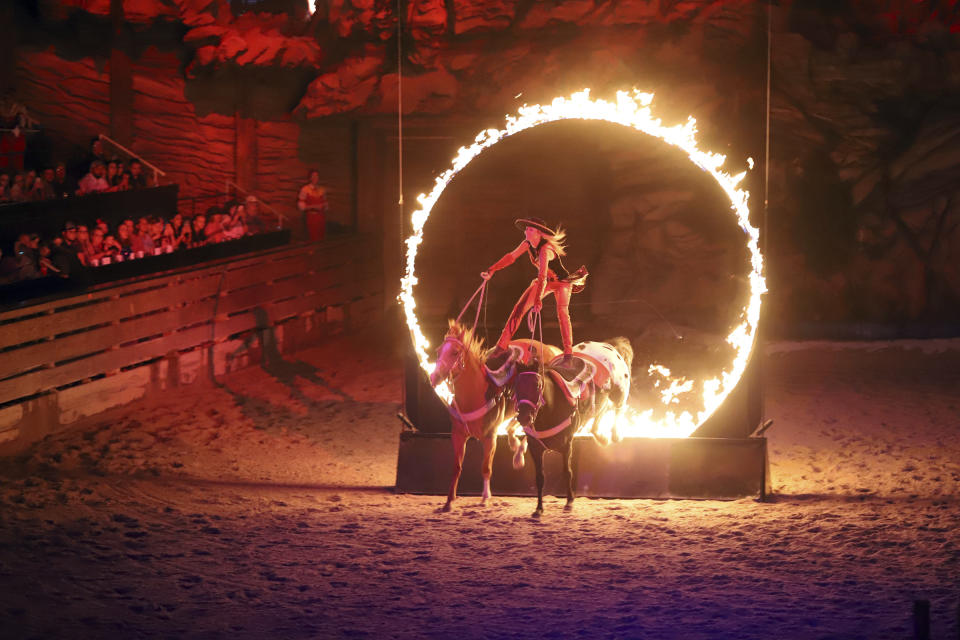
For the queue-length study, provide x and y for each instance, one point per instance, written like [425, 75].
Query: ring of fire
[630, 109]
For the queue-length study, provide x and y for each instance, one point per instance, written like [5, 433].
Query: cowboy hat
[537, 223]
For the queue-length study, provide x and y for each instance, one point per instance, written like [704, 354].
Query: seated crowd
[101, 175]
[97, 244]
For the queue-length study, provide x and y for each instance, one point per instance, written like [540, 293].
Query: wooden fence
[49, 350]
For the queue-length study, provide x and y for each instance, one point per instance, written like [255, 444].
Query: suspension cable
[400, 125]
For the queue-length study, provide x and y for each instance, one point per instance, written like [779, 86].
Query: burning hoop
[630, 109]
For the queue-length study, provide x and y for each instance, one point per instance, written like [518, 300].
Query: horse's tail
[622, 346]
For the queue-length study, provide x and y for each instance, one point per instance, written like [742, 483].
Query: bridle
[453, 373]
[535, 406]
[458, 366]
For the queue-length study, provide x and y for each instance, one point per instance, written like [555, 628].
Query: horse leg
[536, 452]
[489, 448]
[459, 439]
[518, 458]
[568, 473]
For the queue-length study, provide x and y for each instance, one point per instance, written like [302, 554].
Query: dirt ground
[263, 508]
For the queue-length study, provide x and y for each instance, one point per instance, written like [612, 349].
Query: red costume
[543, 247]
[313, 202]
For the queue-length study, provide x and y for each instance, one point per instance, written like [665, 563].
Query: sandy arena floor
[263, 509]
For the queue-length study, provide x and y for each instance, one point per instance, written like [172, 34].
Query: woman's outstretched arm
[505, 261]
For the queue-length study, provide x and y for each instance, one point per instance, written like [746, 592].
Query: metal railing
[282, 219]
[156, 170]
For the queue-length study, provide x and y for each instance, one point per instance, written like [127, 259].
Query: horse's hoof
[447, 508]
[483, 503]
[536, 514]
[568, 506]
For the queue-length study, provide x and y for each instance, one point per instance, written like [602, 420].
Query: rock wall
[196, 150]
[68, 97]
[863, 216]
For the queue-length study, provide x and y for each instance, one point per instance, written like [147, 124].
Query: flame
[630, 109]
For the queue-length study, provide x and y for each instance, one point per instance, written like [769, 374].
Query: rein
[482, 291]
[540, 435]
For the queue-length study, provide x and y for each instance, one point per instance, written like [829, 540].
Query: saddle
[573, 374]
[500, 367]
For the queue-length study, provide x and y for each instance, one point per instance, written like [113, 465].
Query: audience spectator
[49, 175]
[70, 237]
[83, 243]
[111, 246]
[137, 179]
[95, 154]
[25, 252]
[95, 250]
[168, 241]
[63, 185]
[124, 239]
[45, 266]
[177, 223]
[198, 235]
[4, 187]
[185, 237]
[213, 232]
[254, 217]
[235, 226]
[17, 193]
[123, 182]
[113, 174]
[95, 181]
[155, 228]
[37, 191]
[65, 251]
[142, 241]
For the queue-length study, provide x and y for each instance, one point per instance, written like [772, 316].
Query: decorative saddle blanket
[500, 369]
[602, 368]
[573, 375]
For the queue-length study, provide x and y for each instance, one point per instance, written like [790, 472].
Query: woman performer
[312, 201]
[544, 247]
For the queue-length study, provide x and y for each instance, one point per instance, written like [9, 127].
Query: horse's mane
[473, 344]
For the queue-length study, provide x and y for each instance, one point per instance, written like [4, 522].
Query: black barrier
[32, 291]
[47, 217]
[698, 468]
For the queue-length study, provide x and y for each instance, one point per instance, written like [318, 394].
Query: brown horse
[479, 405]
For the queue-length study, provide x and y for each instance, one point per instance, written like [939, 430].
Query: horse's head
[528, 392]
[450, 358]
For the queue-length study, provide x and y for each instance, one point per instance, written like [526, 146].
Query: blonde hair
[557, 242]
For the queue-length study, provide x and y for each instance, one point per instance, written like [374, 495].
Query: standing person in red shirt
[312, 201]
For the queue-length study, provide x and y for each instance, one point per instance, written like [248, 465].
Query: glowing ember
[630, 109]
